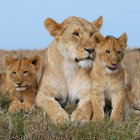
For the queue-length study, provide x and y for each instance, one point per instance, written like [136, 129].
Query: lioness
[108, 76]
[132, 102]
[20, 81]
[67, 64]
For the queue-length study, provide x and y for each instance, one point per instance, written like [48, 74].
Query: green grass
[34, 126]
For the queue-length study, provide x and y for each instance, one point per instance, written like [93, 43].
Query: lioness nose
[19, 84]
[89, 50]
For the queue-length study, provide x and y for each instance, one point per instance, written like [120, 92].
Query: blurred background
[22, 22]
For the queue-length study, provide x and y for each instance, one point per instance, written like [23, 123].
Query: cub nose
[19, 83]
[89, 50]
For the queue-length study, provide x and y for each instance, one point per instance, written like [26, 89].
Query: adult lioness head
[21, 72]
[75, 38]
[110, 50]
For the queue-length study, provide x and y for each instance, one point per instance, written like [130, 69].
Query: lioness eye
[76, 34]
[91, 34]
[118, 52]
[107, 51]
[14, 73]
[25, 72]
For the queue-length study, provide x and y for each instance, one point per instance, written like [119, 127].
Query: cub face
[21, 72]
[110, 51]
[75, 38]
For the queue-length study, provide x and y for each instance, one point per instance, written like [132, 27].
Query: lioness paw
[79, 116]
[61, 117]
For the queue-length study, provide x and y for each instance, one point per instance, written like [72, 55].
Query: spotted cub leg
[98, 102]
[118, 100]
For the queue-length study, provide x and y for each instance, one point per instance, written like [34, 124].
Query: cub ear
[35, 60]
[98, 23]
[123, 40]
[52, 26]
[7, 60]
[98, 38]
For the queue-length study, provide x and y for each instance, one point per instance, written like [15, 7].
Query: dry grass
[35, 125]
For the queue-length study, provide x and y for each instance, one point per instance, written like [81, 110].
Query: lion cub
[20, 81]
[108, 76]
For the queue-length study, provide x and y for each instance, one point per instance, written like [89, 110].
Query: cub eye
[14, 73]
[107, 51]
[91, 34]
[76, 34]
[25, 72]
[118, 52]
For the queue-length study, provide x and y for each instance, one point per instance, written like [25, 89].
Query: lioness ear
[123, 40]
[7, 60]
[52, 26]
[98, 23]
[35, 60]
[98, 38]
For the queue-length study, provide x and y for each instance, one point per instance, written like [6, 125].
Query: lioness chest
[70, 69]
[77, 80]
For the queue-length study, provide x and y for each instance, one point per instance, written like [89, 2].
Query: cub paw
[26, 107]
[15, 107]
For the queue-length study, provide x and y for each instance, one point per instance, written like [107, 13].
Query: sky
[22, 21]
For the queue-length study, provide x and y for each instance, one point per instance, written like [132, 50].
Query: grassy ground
[35, 125]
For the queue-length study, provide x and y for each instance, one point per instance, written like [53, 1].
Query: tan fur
[66, 69]
[20, 81]
[108, 85]
[2, 78]
[132, 102]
